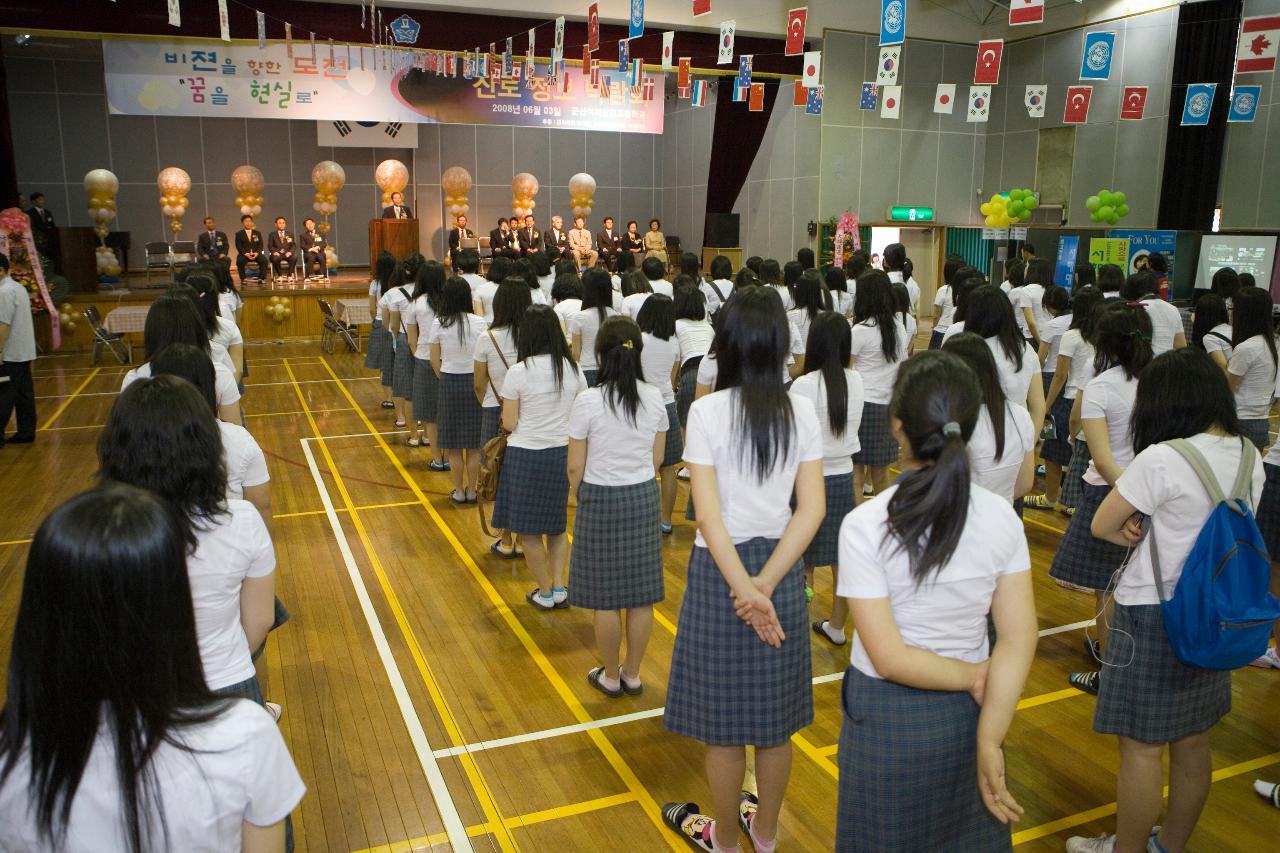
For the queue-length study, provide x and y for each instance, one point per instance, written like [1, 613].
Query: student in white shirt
[944, 305]
[989, 314]
[380, 355]
[771, 276]
[1123, 344]
[545, 276]
[965, 282]
[1110, 280]
[750, 447]
[839, 288]
[616, 438]
[222, 331]
[720, 285]
[902, 306]
[500, 269]
[922, 565]
[533, 491]
[1147, 696]
[660, 361]
[230, 302]
[453, 344]
[635, 290]
[694, 334]
[399, 297]
[653, 270]
[1251, 370]
[879, 349]
[584, 324]
[1001, 451]
[469, 268]
[525, 269]
[898, 266]
[811, 298]
[1211, 329]
[1166, 321]
[1039, 280]
[913, 286]
[419, 319]
[566, 298]
[834, 389]
[1055, 451]
[147, 757]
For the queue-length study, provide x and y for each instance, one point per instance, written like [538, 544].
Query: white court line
[246, 385]
[354, 434]
[453, 824]
[1074, 626]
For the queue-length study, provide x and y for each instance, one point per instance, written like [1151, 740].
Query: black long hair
[1110, 278]
[172, 319]
[499, 268]
[829, 349]
[746, 277]
[203, 287]
[791, 272]
[1056, 300]
[770, 272]
[1225, 283]
[618, 346]
[566, 286]
[1181, 393]
[1211, 312]
[989, 314]
[597, 292]
[1251, 315]
[455, 306]
[721, 268]
[657, 316]
[973, 351]
[190, 363]
[429, 282]
[540, 334]
[105, 640]
[1139, 285]
[1122, 338]
[1084, 310]
[635, 282]
[383, 267]
[751, 349]
[510, 303]
[873, 300]
[1015, 272]
[836, 280]
[810, 295]
[966, 281]
[690, 303]
[936, 399]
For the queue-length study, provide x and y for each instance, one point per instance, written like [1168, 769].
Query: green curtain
[968, 244]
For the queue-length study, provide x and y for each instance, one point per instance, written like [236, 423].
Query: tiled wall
[1251, 156]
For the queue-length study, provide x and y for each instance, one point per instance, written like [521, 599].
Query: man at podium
[397, 210]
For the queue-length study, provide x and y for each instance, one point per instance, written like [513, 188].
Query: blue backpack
[1221, 612]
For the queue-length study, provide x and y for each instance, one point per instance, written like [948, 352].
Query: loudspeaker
[721, 231]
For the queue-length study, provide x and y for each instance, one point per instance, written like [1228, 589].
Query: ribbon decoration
[15, 222]
[846, 229]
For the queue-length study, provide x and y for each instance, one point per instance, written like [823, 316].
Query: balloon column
[174, 185]
[247, 181]
[67, 317]
[582, 192]
[1005, 209]
[524, 188]
[279, 309]
[391, 176]
[456, 183]
[101, 186]
[1107, 207]
[328, 178]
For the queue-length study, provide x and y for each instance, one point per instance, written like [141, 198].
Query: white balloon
[179, 211]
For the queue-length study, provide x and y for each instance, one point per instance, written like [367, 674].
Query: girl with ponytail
[661, 358]
[921, 570]
[617, 432]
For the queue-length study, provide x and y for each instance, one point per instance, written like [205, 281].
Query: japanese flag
[891, 102]
[812, 68]
[944, 101]
[668, 48]
[1034, 98]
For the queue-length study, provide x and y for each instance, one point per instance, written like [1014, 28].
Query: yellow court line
[282, 414]
[553, 676]
[306, 512]
[1071, 821]
[16, 542]
[1057, 530]
[488, 804]
[67, 402]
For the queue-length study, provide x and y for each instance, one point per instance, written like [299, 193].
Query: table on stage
[126, 318]
[353, 311]
[397, 236]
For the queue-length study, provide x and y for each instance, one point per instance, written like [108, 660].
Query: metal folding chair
[334, 328]
[117, 343]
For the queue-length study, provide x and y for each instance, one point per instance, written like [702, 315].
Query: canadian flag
[1026, 12]
[891, 103]
[1133, 102]
[1256, 50]
[1076, 110]
[812, 68]
[944, 101]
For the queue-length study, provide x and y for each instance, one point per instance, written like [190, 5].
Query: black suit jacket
[631, 244]
[455, 238]
[311, 240]
[610, 244]
[212, 249]
[560, 245]
[389, 212]
[529, 243]
[41, 220]
[251, 242]
[275, 244]
[499, 242]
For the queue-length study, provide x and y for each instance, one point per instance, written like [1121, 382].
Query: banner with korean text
[186, 79]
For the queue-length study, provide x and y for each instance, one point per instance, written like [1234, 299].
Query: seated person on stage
[397, 210]
[580, 243]
[556, 241]
[281, 249]
[530, 237]
[457, 234]
[502, 240]
[514, 222]
[610, 243]
[312, 244]
[212, 246]
[633, 243]
[249, 248]
[655, 243]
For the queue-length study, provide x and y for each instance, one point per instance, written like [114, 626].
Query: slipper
[496, 548]
[439, 465]
[387, 404]
[458, 497]
[627, 688]
[747, 806]
[399, 424]
[415, 442]
[593, 678]
[697, 834]
[820, 628]
[535, 598]
[666, 527]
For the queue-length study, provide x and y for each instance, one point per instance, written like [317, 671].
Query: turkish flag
[1077, 109]
[986, 72]
[800, 96]
[701, 7]
[593, 27]
[796, 20]
[1133, 103]
[1256, 50]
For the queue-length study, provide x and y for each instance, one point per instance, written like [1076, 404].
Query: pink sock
[715, 842]
[761, 846]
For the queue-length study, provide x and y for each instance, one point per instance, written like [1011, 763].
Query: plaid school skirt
[590, 376]
[1082, 558]
[675, 442]
[1073, 474]
[877, 445]
[533, 491]
[727, 686]
[1257, 430]
[1145, 692]
[379, 343]
[617, 547]
[823, 550]
[688, 388]
[490, 420]
[1268, 514]
[909, 772]
[457, 413]
[402, 369]
[425, 390]
[1058, 450]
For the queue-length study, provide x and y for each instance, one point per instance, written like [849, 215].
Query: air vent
[1047, 214]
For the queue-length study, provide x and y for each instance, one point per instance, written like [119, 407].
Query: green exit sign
[911, 214]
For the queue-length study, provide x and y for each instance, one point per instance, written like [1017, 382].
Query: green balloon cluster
[1107, 207]
[1021, 203]
[1004, 209]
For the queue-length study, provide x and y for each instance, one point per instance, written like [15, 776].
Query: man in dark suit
[281, 248]
[530, 237]
[556, 240]
[610, 242]
[312, 244]
[502, 241]
[397, 210]
[43, 230]
[249, 248]
[457, 234]
[212, 246]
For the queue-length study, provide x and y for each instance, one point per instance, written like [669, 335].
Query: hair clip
[627, 344]
[951, 429]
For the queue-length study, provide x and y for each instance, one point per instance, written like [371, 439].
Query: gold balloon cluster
[328, 178]
[248, 182]
[174, 185]
[456, 183]
[330, 256]
[1003, 210]
[279, 308]
[108, 263]
[391, 176]
[524, 189]
[582, 193]
[101, 186]
[67, 317]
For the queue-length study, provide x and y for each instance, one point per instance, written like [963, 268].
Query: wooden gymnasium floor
[422, 694]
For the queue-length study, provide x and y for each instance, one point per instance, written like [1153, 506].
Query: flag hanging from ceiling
[796, 20]
[635, 26]
[1199, 104]
[893, 21]
[756, 102]
[699, 93]
[668, 48]
[887, 68]
[1076, 110]
[624, 55]
[812, 68]
[814, 106]
[1025, 12]
[682, 77]
[891, 104]
[1256, 50]
[744, 70]
[593, 27]
[1034, 99]
[1095, 60]
[979, 103]
[944, 100]
[986, 69]
[586, 60]
[800, 95]
[637, 72]
[726, 43]
[701, 7]
[1133, 102]
[870, 94]
[1244, 103]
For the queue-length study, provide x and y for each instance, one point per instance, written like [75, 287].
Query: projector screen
[1254, 255]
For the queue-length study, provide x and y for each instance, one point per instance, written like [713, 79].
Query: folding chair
[333, 328]
[117, 343]
[157, 256]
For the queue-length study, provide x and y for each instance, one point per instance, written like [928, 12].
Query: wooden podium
[397, 236]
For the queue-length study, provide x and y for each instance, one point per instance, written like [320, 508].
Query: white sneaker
[1269, 791]
[682, 474]
[1268, 660]
[868, 490]
[1104, 843]
[275, 711]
